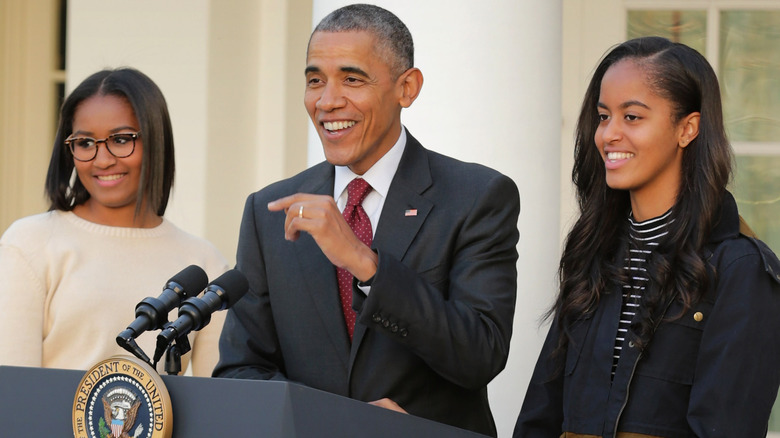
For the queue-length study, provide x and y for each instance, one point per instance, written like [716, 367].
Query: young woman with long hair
[666, 322]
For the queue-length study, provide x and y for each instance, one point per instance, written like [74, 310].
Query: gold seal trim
[122, 397]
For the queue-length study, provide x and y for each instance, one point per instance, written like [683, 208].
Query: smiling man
[387, 273]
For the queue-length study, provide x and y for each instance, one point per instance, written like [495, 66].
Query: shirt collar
[380, 175]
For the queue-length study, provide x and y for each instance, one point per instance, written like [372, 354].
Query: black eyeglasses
[120, 145]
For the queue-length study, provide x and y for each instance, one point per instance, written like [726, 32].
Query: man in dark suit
[432, 296]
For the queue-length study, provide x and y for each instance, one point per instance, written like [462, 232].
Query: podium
[38, 402]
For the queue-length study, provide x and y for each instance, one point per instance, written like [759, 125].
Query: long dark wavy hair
[594, 251]
[151, 111]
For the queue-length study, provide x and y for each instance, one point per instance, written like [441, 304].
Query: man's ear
[409, 83]
[690, 129]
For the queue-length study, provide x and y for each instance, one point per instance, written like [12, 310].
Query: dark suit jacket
[436, 326]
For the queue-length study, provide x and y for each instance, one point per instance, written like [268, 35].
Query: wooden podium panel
[38, 402]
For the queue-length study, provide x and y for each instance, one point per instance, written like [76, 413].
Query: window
[742, 42]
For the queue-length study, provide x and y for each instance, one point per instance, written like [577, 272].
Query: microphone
[152, 313]
[195, 312]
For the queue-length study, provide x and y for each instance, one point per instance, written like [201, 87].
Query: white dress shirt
[379, 176]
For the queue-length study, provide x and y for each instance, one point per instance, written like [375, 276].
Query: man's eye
[313, 81]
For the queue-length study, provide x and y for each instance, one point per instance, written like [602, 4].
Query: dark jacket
[714, 372]
[435, 328]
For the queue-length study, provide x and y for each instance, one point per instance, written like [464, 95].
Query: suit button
[698, 316]
[394, 328]
[386, 323]
[376, 317]
[403, 332]
[631, 344]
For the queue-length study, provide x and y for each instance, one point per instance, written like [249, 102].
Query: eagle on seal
[120, 427]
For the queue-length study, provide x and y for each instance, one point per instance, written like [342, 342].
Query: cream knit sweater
[69, 286]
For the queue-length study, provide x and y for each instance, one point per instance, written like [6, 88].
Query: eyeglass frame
[69, 142]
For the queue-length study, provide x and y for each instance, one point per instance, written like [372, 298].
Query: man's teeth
[614, 156]
[110, 177]
[335, 126]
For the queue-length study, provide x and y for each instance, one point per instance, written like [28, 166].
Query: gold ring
[300, 212]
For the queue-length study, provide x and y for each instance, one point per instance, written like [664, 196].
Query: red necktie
[358, 220]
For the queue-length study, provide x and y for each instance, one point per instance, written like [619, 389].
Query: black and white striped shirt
[644, 237]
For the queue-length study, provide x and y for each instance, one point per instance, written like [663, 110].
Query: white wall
[491, 95]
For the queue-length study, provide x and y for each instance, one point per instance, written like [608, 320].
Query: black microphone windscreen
[192, 278]
[234, 285]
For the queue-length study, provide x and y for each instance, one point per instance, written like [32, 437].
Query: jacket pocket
[672, 352]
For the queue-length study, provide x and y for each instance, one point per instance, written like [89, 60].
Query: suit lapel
[319, 274]
[405, 208]
[403, 213]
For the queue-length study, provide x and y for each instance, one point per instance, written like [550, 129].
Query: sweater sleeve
[21, 319]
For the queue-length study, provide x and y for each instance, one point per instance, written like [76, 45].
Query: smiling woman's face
[639, 141]
[111, 182]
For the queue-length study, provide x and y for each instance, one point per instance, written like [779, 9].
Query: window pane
[750, 74]
[757, 189]
[687, 27]
[774, 419]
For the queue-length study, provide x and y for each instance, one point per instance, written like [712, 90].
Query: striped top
[644, 237]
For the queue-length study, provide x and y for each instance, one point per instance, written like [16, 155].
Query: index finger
[287, 201]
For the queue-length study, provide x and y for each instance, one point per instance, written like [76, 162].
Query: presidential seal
[122, 397]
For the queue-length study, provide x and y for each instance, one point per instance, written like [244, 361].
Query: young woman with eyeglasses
[72, 276]
[666, 322]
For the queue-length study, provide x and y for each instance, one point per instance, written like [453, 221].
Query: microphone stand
[129, 344]
[173, 352]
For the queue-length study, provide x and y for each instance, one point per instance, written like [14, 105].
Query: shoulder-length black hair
[151, 111]
[592, 259]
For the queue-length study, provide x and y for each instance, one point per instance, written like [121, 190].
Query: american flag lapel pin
[411, 212]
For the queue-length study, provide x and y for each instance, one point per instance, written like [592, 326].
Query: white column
[492, 95]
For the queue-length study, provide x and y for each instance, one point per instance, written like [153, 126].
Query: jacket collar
[727, 225]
